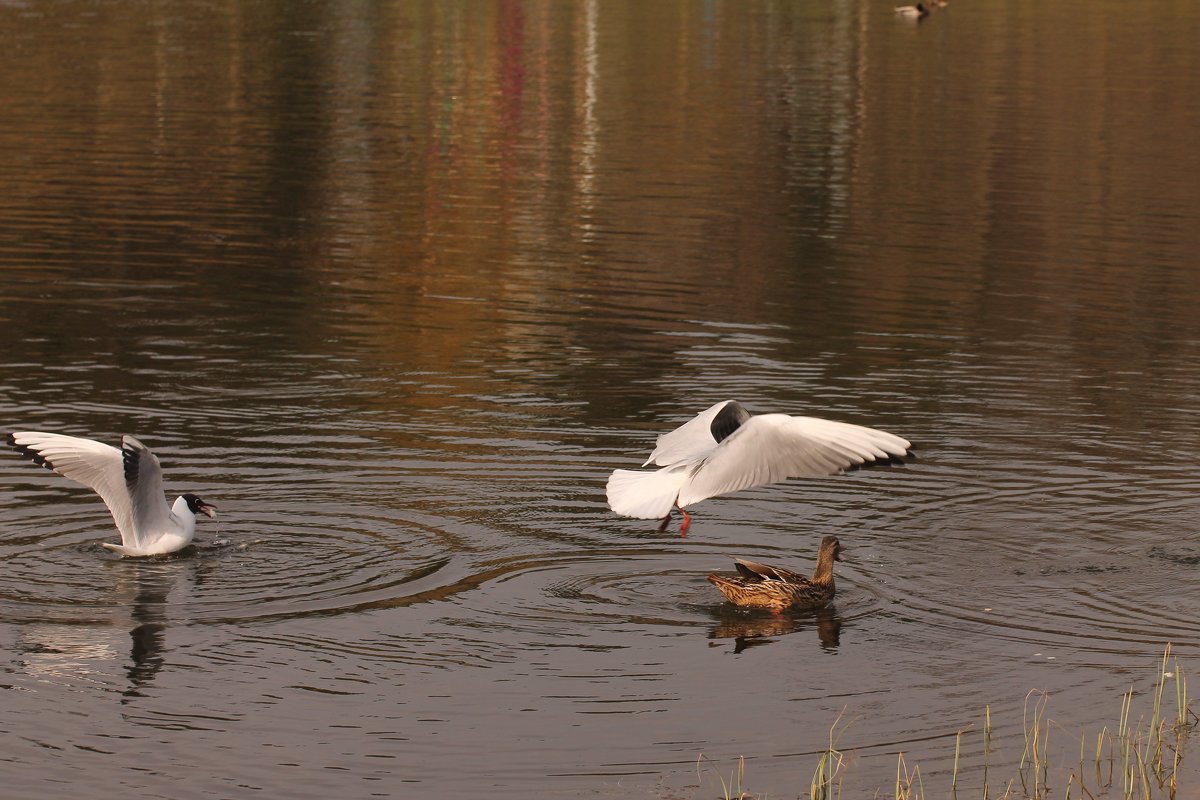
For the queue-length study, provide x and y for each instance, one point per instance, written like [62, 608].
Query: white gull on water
[129, 481]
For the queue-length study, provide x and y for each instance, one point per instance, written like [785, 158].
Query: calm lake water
[397, 285]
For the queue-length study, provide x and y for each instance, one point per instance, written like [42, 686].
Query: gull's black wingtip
[889, 461]
[131, 460]
[728, 420]
[28, 453]
[899, 461]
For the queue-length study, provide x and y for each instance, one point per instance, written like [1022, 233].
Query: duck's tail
[726, 583]
[737, 592]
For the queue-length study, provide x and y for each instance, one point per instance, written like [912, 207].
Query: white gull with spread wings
[129, 481]
[726, 448]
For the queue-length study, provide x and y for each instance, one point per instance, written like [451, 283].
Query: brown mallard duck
[760, 586]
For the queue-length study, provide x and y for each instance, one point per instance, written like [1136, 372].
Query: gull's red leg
[665, 522]
[687, 521]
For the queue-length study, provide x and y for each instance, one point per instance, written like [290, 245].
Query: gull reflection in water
[752, 627]
[151, 583]
[85, 645]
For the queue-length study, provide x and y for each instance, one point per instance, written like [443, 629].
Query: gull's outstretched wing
[92, 463]
[774, 447]
[692, 441]
[143, 480]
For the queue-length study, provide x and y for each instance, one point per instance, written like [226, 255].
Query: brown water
[396, 285]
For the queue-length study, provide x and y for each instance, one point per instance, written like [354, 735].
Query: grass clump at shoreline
[1139, 760]
[1145, 755]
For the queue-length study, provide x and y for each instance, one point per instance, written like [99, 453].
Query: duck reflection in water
[751, 627]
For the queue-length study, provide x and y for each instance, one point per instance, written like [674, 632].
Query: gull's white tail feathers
[643, 494]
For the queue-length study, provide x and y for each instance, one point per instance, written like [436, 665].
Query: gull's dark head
[198, 506]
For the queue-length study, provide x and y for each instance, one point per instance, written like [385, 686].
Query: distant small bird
[129, 481]
[726, 448]
[913, 12]
[760, 586]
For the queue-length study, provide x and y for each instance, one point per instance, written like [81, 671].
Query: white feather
[645, 494]
[688, 443]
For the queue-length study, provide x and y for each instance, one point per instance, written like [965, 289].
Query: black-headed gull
[129, 481]
[726, 449]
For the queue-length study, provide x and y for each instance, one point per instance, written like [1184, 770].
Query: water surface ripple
[398, 285]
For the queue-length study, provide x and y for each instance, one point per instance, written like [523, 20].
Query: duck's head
[198, 506]
[832, 546]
